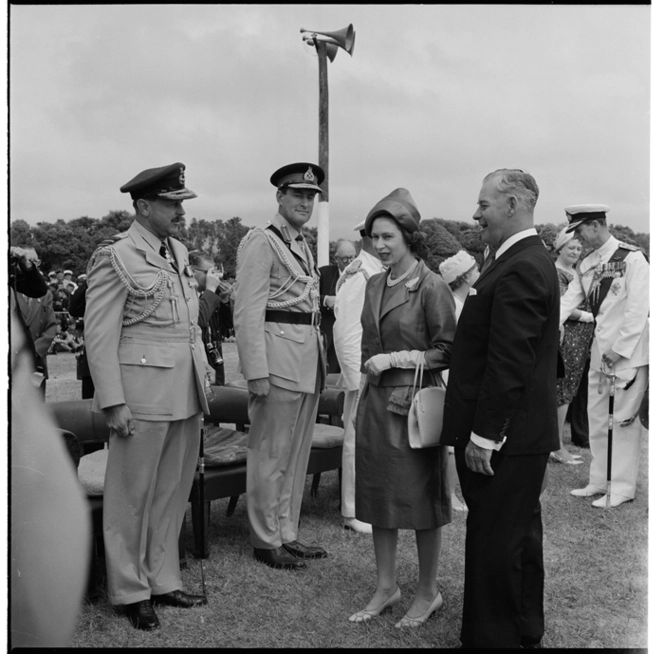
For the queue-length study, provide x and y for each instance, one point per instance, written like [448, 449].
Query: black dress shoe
[179, 599]
[142, 615]
[304, 551]
[278, 558]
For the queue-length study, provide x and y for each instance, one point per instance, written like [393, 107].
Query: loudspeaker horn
[330, 48]
[343, 38]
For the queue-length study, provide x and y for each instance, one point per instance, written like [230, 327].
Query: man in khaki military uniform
[147, 363]
[281, 356]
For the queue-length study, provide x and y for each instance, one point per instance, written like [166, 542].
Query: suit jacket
[40, 320]
[286, 353]
[502, 379]
[155, 364]
[420, 316]
[622, 323]
[329, 276]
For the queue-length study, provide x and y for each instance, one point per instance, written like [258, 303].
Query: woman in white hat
[460, 272]
[575, 348]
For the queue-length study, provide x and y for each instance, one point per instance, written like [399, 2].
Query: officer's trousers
[348, 456]
[626, 448]
[147, 485]
[280, 436]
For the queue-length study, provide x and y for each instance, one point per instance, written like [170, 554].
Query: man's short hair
[513, 181]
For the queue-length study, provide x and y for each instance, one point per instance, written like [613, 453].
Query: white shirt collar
[606, 248]
[515, 238]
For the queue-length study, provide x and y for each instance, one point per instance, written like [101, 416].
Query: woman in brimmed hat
[408, 310]
[459, 272]
[575, 348]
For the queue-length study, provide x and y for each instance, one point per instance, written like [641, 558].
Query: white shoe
[588, 491]
[357, 525]
[407, 623]
[457, 505]
[365, 616]
[616, 500]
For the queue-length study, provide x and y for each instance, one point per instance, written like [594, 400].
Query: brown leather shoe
[304, 551]
[142, 615]
[279, 558]
[179, 599]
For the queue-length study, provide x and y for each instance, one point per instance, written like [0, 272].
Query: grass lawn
[595, 590]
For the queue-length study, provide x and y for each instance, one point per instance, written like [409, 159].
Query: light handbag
[425, 417]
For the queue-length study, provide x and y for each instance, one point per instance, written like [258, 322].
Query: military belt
[293, 317]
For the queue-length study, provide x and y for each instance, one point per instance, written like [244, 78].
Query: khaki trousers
[348, 456]
[147, 485]
[280, 436]
[626, 447]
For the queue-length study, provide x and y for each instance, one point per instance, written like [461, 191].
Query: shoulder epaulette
[628, 246]
[113, 239]
[353, 267]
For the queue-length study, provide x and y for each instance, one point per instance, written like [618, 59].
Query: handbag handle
[419, 373]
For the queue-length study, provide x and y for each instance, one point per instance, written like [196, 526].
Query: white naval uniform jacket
[348, 314]
[622, 323]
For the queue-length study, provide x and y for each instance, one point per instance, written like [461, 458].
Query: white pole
[323, 252]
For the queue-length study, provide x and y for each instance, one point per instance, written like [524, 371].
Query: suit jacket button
[144, 360]
[281, 332]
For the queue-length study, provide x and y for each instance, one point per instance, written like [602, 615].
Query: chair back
[77, 417]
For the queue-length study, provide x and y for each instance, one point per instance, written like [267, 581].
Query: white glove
[586, 316]
[377, 363]
[406, 359]
[402, 359]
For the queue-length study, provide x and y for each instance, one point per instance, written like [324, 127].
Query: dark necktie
[166, 253]
[489, 261]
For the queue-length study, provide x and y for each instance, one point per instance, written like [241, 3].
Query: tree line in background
[69, 244]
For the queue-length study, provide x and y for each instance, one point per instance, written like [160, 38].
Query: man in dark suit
[500, 414]
[329, 276]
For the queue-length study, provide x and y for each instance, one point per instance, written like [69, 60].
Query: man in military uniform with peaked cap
[148, 366]
[281, 354]
[614, 278]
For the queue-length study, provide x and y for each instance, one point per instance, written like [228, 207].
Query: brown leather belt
[293, 317]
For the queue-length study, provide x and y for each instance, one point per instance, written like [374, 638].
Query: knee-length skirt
[396, 487]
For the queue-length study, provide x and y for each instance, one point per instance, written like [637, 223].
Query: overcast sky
[434, 98]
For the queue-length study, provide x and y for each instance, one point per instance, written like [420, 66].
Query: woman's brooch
[411, 283]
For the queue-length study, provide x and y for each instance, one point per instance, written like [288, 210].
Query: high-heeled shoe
[365, 616]
[418, 622]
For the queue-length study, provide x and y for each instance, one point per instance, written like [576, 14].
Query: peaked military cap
[166, 182]
[399, 204]
[299, 175]
[581, 213]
